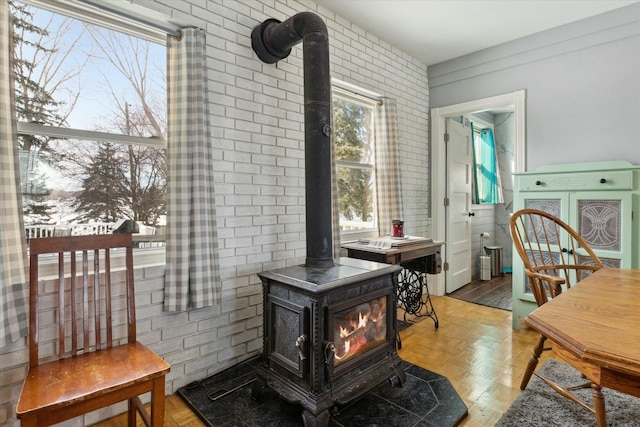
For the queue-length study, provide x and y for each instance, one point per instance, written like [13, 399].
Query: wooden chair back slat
[83, 292]
[33, 310]
[61, 304]
[107, 298]
[131, 307]
[96, 299]
[74, 304]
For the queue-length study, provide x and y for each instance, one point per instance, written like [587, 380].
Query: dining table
[595, 327]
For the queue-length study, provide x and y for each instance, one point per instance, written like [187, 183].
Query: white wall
[581, 81]
[505, 142]
[257, 125]
[483, 221]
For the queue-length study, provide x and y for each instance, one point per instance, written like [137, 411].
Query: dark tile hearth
[427, 399]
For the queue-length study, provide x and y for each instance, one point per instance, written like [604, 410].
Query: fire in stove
[360, 329]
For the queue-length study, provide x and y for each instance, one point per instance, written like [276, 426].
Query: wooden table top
[389, 245]
[598, 320]
[392, 251]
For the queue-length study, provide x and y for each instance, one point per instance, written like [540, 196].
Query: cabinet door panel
[557, 205]
[603, 219]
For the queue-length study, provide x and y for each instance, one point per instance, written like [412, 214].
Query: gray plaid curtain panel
[388, 189]
[13, 246]
[192, 277]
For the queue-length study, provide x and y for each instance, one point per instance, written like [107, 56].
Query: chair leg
[157, 402]
[598, 405]
[131, 414]
[29, 422]
[533, 362]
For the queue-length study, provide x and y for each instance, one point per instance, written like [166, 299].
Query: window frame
[355, 95]
[131, 20]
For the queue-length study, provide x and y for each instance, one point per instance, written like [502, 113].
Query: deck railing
[148, 236]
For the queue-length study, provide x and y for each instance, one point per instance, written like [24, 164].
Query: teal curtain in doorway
[487, 184]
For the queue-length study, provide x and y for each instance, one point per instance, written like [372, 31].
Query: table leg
[413, 295]
[598, 404]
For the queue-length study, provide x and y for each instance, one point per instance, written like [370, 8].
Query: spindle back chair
[550, 250]
[555, 257]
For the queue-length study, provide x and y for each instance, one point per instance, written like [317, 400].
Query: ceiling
[434, 31]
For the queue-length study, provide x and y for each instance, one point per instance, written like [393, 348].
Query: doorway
[514, 103]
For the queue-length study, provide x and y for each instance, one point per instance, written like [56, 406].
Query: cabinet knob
[603, 180]
[538, 182]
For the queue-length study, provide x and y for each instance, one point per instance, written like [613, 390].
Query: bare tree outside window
[78, 76]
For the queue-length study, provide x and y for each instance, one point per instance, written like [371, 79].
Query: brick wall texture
[258, 136]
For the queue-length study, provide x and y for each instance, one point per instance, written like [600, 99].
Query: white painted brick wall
[258, 136]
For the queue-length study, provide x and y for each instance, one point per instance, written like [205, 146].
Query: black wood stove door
[289, 335]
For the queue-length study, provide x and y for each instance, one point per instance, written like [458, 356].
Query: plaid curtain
[192, 275]
[13, 250]
[389, 194]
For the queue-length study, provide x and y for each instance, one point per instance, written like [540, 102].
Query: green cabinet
[597, 199]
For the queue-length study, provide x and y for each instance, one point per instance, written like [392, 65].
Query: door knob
[471, 213]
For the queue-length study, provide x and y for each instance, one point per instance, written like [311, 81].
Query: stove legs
[309, 418]
[399, 379]
[312, 420]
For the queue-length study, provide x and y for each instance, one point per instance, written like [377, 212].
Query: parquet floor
[475, 347]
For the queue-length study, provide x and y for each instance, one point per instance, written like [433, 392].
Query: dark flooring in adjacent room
[492, 293]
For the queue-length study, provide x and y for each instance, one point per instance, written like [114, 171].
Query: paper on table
[387, 242]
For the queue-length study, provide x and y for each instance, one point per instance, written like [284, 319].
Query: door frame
[514, 101]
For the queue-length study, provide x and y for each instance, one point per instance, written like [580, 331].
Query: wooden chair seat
[94, 311]
[60, 384]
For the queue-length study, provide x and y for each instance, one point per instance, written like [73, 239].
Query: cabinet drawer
[598, 181]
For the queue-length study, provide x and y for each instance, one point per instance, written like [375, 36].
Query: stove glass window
[359, 329]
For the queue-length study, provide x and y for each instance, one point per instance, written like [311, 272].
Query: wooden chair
[97, 360]
[554, 256]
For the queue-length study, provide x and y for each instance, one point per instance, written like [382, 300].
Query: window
[91, 107]
[486, 180]
[353, 123]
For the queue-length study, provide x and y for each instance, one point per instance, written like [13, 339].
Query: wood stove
[329, 325]
[330, 334]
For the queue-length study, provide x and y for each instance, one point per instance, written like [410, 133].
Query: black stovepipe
[272, 41]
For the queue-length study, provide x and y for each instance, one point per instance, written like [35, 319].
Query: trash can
[495, 253]
[485, 268]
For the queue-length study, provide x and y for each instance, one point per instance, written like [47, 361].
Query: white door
[458, 212]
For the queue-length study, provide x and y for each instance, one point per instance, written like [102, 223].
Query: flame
[362, 322]
[352, 331]
[363, 319]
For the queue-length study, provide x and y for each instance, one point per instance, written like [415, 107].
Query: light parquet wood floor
[474, 347]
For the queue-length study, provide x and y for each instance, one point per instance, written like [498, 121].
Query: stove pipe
[272, 41]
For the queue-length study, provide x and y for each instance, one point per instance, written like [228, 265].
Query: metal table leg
[411, 287]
